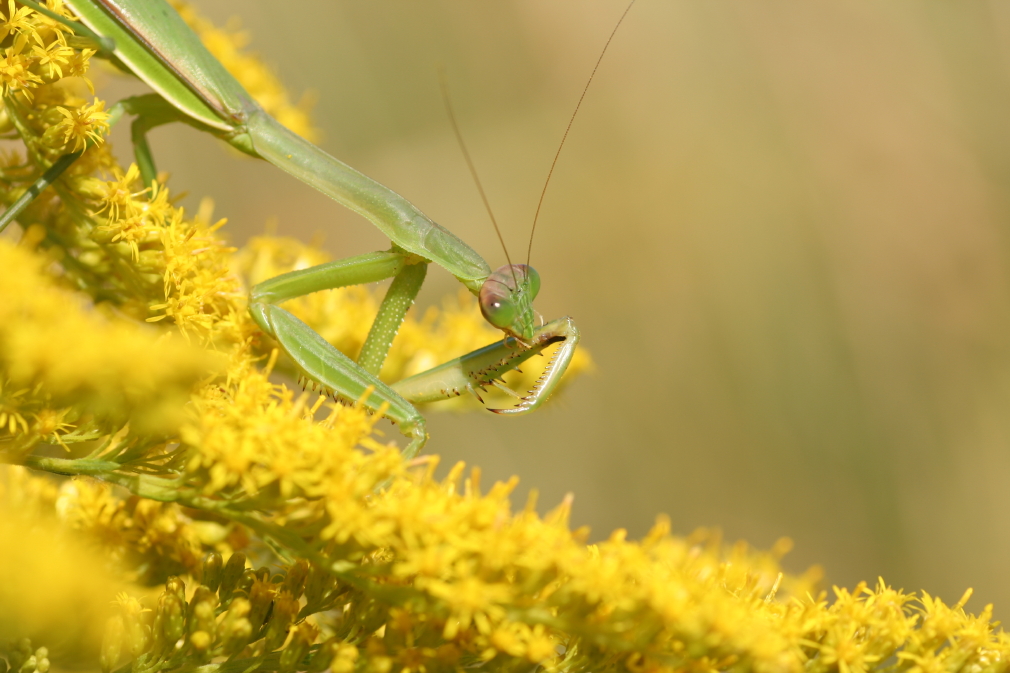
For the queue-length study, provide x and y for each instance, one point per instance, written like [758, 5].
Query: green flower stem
[172, 490]
[71, 467]
[30, 194]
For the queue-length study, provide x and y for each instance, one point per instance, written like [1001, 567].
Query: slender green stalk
[32, 193]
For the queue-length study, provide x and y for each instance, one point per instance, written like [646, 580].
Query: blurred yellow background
[781, 226]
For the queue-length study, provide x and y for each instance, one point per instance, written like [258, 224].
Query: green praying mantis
[149, 39]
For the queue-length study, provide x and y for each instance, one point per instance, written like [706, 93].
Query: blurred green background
[781, 226]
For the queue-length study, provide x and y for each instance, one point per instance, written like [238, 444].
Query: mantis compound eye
[506, 298]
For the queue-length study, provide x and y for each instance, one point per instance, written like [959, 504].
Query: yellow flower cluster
[264, 532]
[36, 51]
[56, 587]
[60, 380]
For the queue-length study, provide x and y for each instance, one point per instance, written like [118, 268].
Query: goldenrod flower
[16, 20]
[83, 124]
[119, 199]
[52, 58]
[15, 75]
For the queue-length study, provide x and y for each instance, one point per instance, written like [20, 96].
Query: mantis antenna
[554, 163]
[473, 170]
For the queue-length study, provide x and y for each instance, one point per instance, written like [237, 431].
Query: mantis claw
[485, 366]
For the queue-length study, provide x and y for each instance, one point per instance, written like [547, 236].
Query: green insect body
[149, 39]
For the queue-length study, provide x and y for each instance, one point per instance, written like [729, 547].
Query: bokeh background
[781, 226]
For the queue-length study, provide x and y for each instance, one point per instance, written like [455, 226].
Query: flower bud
[375, 665]
[86, 187]
[245, 583]
[149, 261]
[202, 618]
[235, 629]
[20, 655]
[344, 656]
[42, 660]
[112, 643]
[172, 612]
[200, 640]
[175, 585]
[301, 641]
[54, 137]
[318, 585]
[213, 570]
[281, 618]
[294, 581]
[202, 594]
[261, 597]
[136, 637]
[52, 115]
[231, 575]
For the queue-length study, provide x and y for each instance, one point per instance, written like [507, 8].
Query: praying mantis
[150, 40]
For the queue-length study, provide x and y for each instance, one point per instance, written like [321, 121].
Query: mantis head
[506, 300]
